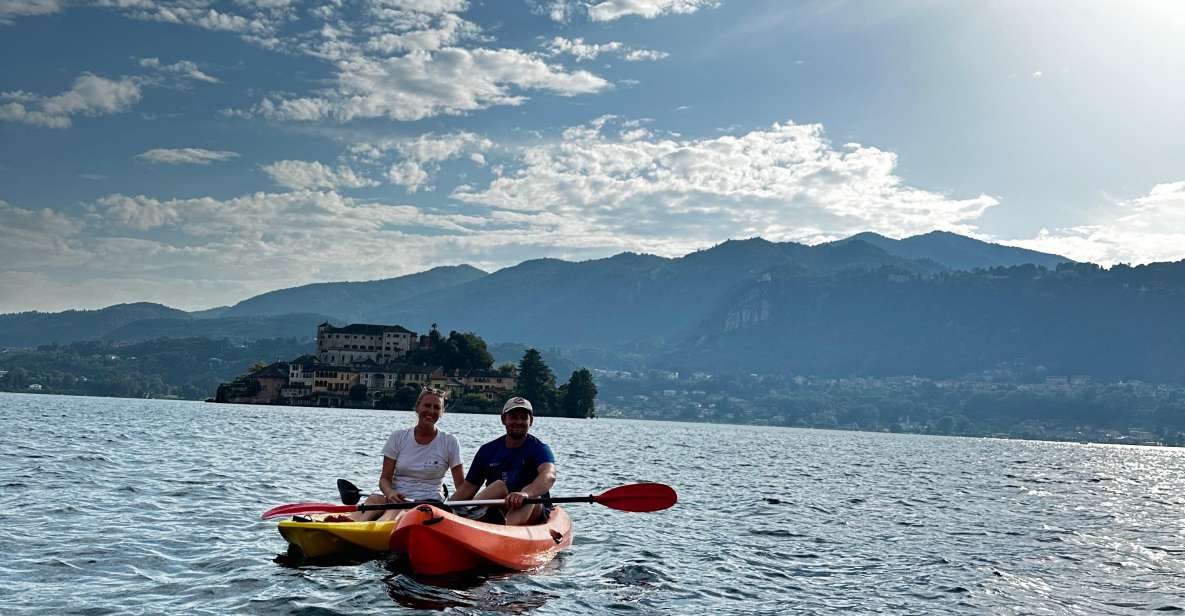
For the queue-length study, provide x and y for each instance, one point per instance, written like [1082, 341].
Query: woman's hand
[395, 497]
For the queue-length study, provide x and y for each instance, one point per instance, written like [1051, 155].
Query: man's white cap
[517, 403]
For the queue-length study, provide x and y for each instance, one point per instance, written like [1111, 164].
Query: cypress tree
[536, 382]
[579, 395]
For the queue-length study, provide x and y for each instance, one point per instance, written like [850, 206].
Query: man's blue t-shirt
[516, 467]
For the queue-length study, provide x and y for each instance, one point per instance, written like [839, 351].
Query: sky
[195, 153]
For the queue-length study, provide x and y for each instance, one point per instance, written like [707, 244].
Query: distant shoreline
[612, 417]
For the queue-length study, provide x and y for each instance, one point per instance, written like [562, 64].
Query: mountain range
[934, 304]
[632, 299]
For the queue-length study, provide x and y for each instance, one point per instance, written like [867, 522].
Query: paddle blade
[639, 497]
[349, 492]
[291, 509]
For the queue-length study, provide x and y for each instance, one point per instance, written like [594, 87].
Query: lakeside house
[360, 365]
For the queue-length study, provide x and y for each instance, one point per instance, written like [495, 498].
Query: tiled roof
[368, 329]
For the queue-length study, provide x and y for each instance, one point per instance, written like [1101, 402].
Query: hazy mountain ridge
[622, 300]
[958, 252]
[33, 328]
[238, 329]
[1078, 319]
[628, 301]
[350, 301]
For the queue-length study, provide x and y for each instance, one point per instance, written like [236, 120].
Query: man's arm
[542, 485]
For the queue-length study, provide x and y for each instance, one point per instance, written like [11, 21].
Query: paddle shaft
[487, 501]
[638, 497]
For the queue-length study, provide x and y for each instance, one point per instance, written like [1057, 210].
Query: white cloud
[266, 4]
[304, 175]
[423, 84]
[91, 95]
[420, 157]
[185, 156]
[1146, 229]
[649, 9]
[425, 6]
[281, 235]
[582, 51]
[558, 10]
[563, 11]
[1038, 74]
[449, 31]
[137, 213]
[429, 147]
[12, 9]
[198, 13]
[642, 55]
[184, 68]
[408, 174]
[36, 238]
[786, 182]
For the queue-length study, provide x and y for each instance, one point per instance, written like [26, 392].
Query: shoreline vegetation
[1010, 402]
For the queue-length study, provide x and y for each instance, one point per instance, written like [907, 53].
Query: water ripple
[138, 506]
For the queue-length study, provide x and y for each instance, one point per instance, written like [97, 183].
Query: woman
[415, 460]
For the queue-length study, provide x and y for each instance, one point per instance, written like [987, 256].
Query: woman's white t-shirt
[420, 469]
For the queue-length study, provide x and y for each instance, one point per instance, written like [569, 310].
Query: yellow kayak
[318, 538]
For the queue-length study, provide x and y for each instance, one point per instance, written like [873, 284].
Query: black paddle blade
[349, 492]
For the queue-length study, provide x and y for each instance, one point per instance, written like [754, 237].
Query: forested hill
[1122, 323]
[140, 322]
[25, 329]
[352, 301]
[632, 302]
[958, 252]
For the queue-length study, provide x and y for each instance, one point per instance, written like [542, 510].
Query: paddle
[350, 493]
[291, 509]
[637, 497]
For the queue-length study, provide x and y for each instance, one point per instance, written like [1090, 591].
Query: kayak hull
[319, 539]
[437, 542]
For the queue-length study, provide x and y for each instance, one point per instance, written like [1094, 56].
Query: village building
[360, 365]
[362, 342]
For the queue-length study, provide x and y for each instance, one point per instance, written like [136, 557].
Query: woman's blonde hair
[440, 393]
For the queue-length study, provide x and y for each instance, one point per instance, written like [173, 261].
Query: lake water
[112, 506]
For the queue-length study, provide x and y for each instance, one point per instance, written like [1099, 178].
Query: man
[514, 467]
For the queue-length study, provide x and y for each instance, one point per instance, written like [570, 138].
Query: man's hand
[514, 500]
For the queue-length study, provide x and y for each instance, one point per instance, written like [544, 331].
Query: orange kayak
[438, 542]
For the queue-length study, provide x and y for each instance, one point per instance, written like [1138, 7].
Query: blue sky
[195, 153]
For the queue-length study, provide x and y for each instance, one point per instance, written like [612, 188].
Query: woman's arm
[387, 481]
[458, 477]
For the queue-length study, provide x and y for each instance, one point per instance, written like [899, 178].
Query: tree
[358, 393]
[405, 396]
[460, 351]
[579, 395]
[536, 382]
[469, 351]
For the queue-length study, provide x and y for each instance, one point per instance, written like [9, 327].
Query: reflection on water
[139, 506]
[479, 591]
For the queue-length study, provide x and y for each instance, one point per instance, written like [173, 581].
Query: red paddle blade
[638, 497]
[291, 509]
